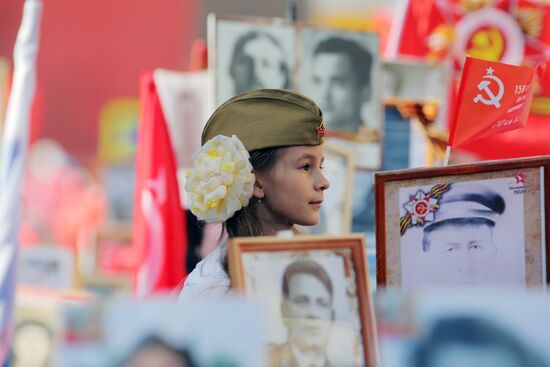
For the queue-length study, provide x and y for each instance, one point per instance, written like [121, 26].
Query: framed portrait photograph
[473, 225]
[187, 102]
[339, 71]
[250, 53]
[315, 290]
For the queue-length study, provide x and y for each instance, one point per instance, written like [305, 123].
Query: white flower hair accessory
[220, 181]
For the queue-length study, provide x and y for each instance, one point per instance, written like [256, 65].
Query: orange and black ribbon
[405, 222]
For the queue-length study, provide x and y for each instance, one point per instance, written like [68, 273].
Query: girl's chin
[309, 221]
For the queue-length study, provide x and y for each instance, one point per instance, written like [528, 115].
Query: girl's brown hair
[245, 222]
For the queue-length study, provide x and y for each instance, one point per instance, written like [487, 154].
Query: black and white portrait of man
[313, 308]
[340, 70]
[464, 234]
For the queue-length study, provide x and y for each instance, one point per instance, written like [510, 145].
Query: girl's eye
[321, 167]
[306, 167]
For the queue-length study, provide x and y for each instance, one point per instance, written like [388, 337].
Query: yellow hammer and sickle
[487, 45]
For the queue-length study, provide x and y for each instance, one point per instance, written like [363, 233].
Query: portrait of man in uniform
[308, 313]
[462, 235]
[460, 242]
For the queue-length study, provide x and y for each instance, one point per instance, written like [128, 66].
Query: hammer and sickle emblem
[483, 86]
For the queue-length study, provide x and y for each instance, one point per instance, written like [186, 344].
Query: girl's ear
[258, 191]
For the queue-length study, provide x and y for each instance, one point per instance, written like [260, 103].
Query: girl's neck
[271, 223]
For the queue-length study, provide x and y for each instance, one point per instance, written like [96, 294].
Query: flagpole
[447, 155]
[13, 153]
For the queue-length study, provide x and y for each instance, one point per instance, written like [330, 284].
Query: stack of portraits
[337, 69]
[474, 225]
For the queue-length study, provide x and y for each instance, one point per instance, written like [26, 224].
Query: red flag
[415, 22]
[492, 98]
[159, 224]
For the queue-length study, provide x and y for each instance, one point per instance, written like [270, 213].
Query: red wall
[93, 51]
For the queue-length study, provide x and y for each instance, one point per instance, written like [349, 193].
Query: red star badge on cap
[321, 131]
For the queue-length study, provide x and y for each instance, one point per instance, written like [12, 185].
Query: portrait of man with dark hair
[308, 313]
[341, 82]
[474, 342]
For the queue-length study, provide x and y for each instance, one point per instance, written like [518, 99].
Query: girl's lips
[316, 204]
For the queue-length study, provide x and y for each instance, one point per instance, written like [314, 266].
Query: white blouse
[209, 278]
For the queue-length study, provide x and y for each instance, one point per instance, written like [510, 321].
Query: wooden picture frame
[508, 196]
[265, 268]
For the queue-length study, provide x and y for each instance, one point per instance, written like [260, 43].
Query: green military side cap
[267, 118]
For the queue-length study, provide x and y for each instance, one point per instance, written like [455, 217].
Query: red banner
[514, 32]
[159, 222]
[492, 98]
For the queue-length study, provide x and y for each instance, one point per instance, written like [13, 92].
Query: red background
[93, 51]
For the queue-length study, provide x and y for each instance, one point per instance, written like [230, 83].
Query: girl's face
[292, 191]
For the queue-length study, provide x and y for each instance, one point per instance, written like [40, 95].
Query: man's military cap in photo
[267, 118]
[468, 200]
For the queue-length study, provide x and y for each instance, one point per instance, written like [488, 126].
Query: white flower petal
[220, 181]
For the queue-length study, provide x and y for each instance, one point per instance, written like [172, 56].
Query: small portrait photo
[316, 293]
[475, 328]
[250, 54]
[32, 345]
[462, 231]
[340, 71]
[187, 102]
[160, 331]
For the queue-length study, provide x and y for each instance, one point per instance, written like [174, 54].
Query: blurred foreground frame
[260, 267]
[423, 188]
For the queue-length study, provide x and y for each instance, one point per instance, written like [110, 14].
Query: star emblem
[321, 131]
[520, 178]
[490, 71]
[421, 208]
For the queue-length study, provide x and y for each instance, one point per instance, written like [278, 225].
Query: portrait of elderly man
[458, 245]
[308, 313]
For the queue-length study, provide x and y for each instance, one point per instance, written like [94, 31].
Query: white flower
[221, 179]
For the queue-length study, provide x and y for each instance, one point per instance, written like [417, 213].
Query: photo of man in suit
[308, 313]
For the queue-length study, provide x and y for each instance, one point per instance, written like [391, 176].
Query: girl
[258, 171]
